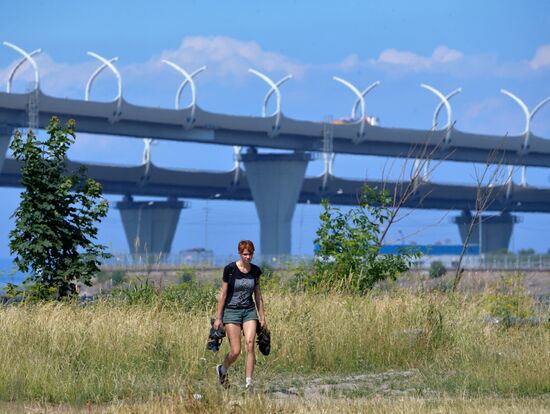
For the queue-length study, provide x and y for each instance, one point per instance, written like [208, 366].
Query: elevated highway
[194, 124]
[153, 181]
[275, 182]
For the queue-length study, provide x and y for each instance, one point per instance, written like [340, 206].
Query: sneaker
[248, 386]
[223, 378]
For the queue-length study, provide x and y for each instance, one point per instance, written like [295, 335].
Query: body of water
[8, 273]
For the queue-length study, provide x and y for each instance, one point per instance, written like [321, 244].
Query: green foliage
[348, 258]
[138, 292]
[510, 300]
[192, 296]
[55, 223]
[116, 277]
[526, 252]
[186, 274]
[187, 296]
[437, 269]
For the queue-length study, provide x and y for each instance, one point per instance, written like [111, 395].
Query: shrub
[437, 269]
[116, 277]
[348, 257]
[509, 299]
[186, 275]
[189, 296]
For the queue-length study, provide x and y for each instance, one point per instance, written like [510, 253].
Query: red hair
[245, 245]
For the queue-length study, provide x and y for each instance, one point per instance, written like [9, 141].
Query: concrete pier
[496, 230]
[150, 225]
[275, 182]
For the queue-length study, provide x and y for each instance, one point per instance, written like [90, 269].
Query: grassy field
[257, 404]
[393, 351]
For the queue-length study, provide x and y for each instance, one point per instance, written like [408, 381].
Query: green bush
[138, 292]
[186, 274]
[190, 296]
[437, 269]
[348, 258]
[116, 277]
[510, 300]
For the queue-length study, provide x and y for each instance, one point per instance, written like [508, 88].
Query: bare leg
[233, 332]
[249, 328]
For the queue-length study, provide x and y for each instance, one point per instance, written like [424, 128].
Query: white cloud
[350, 62]
[55, 78]
[541, 58]
[413, 62]
[224, 56]
[477, 110]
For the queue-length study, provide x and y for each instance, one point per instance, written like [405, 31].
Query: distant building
[446, 254]
[196, 256]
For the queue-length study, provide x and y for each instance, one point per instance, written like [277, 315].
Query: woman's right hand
[217, 323]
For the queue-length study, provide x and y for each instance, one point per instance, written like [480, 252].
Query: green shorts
[239, 316]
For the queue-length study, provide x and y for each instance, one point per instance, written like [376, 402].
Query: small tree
[349, 244]
[55, 221]
[437, 269]
[487, 189]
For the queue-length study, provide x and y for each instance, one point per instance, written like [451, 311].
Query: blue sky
[481, 46]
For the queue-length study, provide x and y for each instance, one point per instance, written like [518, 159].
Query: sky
[480, 46]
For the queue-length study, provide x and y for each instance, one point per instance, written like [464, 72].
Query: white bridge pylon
[363, 94]
[109, 63]
[17, 66]
[188, 79]
[147, 143]
[527, 131]
[26, 57]
[360, 100]
[94, 76]
[444, 101]
[274, 88]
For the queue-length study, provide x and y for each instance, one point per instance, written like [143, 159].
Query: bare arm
[260, 305]
[221, 304]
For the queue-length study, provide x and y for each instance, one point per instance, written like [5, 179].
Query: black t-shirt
[241, 286]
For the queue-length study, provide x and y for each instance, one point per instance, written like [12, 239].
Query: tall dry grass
[61, 352]
[175, 405]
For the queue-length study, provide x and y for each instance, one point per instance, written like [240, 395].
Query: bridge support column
[275, 182]
[150, 225]
[5, 137]
[496, 230]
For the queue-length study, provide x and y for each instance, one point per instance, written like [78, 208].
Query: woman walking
[238, 312]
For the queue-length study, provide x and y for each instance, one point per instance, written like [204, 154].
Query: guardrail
[515, 262]
[170, 262]
[161, 262]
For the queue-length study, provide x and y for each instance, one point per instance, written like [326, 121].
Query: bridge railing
[156, 262]
[160, 262]
[515, 262]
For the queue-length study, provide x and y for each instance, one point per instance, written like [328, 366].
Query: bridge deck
[155, 181]
[169, 124]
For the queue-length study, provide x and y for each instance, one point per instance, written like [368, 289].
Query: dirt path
[383, 384]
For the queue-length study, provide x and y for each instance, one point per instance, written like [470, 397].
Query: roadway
[150, 180]
[125, 119]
